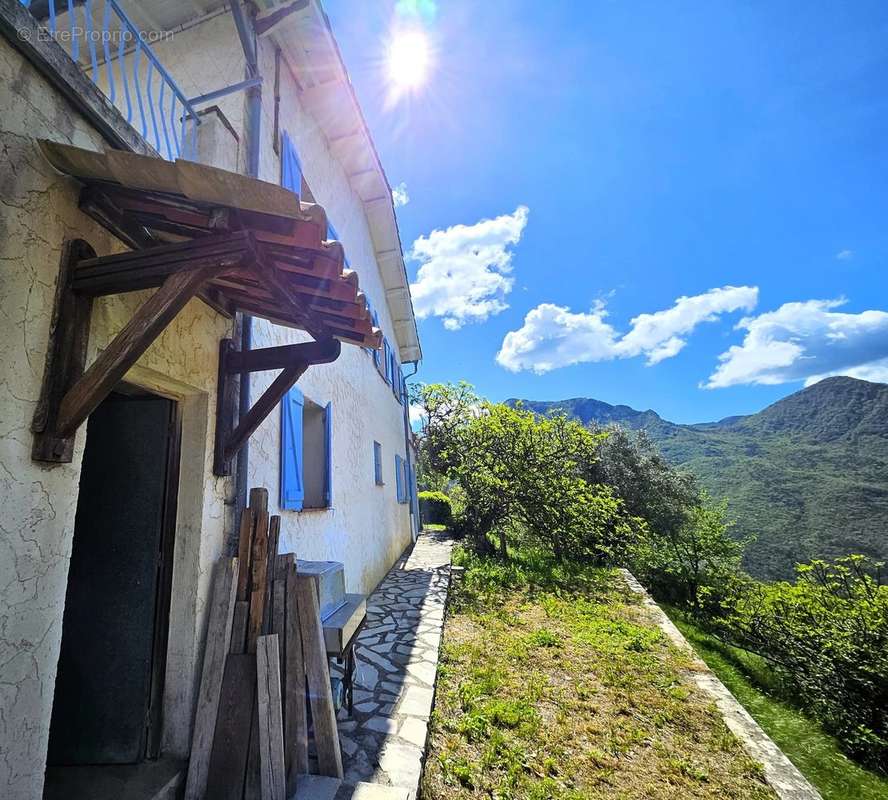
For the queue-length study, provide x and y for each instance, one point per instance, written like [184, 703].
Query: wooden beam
[226, 414]
[128, 346]
[273, 777]
[65, 357]
[142, 269]
[290, 355]
[320, 695]
[295, 716]
[261, 409]
[258, 579]
[215, 654]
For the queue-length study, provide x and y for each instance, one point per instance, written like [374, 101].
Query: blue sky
[625, 155]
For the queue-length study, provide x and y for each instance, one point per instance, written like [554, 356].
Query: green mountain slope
[807, 476]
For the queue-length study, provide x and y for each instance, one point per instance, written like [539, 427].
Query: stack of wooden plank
[264, 655]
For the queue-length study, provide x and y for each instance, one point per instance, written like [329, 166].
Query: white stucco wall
[38, 502]
[366, 528]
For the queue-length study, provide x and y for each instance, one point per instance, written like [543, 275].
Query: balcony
[112, 48]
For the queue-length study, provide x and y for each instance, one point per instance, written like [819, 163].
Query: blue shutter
[291, 169]
[377, 463]
[376, 353]
[388, 360]
[328, 455]
[292, 487]
[399, 483]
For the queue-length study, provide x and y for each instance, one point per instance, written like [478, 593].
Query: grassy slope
[545, 694]
[815, 753]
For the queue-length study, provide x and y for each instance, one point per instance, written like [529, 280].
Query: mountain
[807, 476]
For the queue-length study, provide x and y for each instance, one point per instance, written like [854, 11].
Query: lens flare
[409, 59]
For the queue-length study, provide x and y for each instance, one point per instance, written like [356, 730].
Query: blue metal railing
[112, 51]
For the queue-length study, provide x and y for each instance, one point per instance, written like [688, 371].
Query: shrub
[826, 635]
[435, 508]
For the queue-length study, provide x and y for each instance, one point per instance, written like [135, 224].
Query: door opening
[109, 686]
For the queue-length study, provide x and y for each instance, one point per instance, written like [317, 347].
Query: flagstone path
[383, 743]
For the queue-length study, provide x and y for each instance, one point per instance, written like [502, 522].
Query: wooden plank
[65, 357]
[215, 655]
[295, 717]
[231, 743]
[271, 727]
[239, 625]
[253, 780]
[244, 554]
[258, 581]
[226, 409]
[317, 672]
[136, 337]
[288, 355]
[274, 532]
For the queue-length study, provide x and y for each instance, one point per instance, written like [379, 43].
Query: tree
[694, 562]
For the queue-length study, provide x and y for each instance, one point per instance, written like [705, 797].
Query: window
[400, 479]
[396, 375]
[377, 463]
[306, 453]
[377, 356]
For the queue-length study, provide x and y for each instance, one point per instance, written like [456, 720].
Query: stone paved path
[397, 654]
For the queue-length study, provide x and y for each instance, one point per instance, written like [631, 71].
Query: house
[127, 252]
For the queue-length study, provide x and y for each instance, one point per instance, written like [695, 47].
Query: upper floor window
[377, 463]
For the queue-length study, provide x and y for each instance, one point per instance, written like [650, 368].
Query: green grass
[433, 526]
[554, 684]
[814, 752]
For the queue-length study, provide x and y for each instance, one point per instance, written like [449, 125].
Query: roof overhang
[306, 40]
[180, 216]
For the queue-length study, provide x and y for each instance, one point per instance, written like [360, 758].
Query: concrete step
[316, 787]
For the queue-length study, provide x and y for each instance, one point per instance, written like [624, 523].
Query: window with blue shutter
[387, 348]
[377, 463]
[328, 454]
[377, 356]
[399, 479]
[291, 168]
[292, 485]
[396, 375]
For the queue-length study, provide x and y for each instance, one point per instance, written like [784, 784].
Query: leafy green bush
[435, 508]
[826, 635]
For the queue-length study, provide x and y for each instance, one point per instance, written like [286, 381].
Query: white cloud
[845, 255]
[554, 336]
[399, 195]
[806, 341]
[464, 270]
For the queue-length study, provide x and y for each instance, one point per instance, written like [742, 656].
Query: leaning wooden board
[215, 655]
[251, 730]
[317, 672]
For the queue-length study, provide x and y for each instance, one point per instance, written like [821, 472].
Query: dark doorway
[109, 686]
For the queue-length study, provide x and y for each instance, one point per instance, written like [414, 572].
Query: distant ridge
[808, 475]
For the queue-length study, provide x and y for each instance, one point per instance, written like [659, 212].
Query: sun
[409, 59]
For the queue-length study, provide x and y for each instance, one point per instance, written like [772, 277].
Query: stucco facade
[366, 528]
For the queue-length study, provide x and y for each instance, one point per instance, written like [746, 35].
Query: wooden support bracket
[65, 356]
[291, 359]
[69, 395]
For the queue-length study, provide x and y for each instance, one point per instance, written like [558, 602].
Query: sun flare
[409, 59]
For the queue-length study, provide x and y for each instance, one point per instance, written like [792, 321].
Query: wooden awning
[181, 216]
[195, 231]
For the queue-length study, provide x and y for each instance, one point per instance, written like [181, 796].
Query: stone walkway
[397, 654]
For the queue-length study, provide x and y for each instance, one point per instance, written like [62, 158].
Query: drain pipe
[247, 35]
